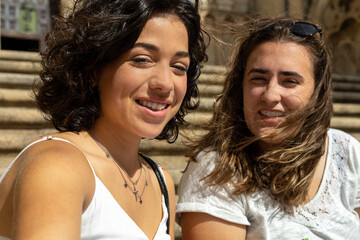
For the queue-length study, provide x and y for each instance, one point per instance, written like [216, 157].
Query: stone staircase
[20, 121]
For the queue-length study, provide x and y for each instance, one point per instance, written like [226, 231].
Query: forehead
[284, 56]
[159, 19]
[163, 27]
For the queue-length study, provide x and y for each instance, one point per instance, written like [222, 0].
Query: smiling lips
[153, 106]
[272, 114]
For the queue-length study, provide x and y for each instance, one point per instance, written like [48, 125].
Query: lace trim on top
[324, 203]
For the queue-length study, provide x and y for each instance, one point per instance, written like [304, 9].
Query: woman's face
[278, 80]
[142, 90]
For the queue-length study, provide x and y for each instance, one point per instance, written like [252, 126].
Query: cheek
[298, 98]
[296, 102]
[251, 96]
[181, 88]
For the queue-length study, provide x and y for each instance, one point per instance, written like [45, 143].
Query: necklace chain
[121, 170]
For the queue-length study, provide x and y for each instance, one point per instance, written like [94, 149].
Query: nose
[272, 92]
[161, 80]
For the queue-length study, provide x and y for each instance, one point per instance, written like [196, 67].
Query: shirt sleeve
[195, 195]
[355, 158]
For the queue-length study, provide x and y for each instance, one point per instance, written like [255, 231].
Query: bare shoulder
[54, 163]
[53, 181]
[55, 157]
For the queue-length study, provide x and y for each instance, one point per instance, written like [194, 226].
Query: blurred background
[24, 22]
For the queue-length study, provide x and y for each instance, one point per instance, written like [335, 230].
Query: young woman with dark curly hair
[270, 167]
[114, 72]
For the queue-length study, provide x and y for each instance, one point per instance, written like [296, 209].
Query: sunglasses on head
[302, 29]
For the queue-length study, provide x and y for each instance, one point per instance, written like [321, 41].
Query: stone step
[170, 162]
[16, 97]
[346, 109]
[21, 117]
[207, 90]
[346, 123]
[345, 78]
[19, 66]
[214, 69]
[211, 79]
[13, 140]
[346, 97]
[17, 80]
[346, 86]
[19, 55]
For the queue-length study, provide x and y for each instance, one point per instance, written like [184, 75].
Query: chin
[268, 143]
[151, 135]
[271, 140]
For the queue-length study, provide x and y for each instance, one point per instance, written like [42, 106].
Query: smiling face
[142, 90]
[278, 80]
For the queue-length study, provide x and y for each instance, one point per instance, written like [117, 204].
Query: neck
[123, 151]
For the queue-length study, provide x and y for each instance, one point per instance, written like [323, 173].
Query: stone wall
[340, 20]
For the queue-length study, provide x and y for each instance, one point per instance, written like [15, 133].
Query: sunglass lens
[303, 29]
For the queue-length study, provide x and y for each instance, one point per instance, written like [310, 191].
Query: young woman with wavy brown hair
[270, 166]
[114, 72]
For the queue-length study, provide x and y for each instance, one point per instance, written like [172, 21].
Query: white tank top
[104, 219]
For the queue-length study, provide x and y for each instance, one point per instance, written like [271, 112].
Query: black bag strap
[161, 180]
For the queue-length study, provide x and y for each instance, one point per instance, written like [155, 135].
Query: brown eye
[139, 60]
[291, 82]
[181, 68]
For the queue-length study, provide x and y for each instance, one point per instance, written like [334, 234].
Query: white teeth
[153, 106]
[272, 114]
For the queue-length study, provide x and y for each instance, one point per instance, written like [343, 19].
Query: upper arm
[50, 189]
[358, 211]
[171, 191]
[196, 225]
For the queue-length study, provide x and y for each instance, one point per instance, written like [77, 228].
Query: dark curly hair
[97, 32]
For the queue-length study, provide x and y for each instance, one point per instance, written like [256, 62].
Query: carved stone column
[341, 20]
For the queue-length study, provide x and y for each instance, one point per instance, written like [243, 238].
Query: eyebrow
[152, 47]
[285, 73]
[289, 73]
[258, 70]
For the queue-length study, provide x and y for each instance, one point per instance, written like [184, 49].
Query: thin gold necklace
[121, 170]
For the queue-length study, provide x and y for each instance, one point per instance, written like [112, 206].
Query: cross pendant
[135, 193]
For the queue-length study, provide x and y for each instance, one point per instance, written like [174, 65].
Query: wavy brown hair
[285, 170]
[95, 33]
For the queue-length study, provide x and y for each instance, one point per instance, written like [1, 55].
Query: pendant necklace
[134, 190]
